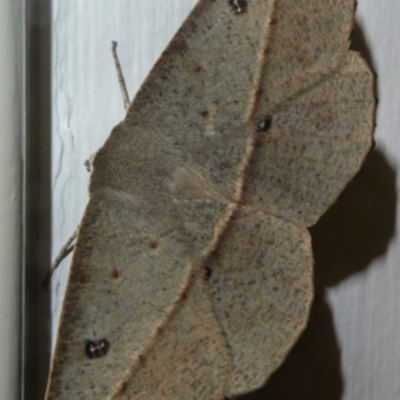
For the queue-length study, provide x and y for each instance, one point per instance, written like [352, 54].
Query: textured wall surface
[351, 350]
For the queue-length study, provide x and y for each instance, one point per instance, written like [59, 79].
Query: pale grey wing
[308, 39]
[128, 271]
[260, 281]
[202, 89]
[315, 145]
[188, 121]
[189, 359]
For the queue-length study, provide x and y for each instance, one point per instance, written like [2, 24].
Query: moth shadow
[359, 43]
[354, 231]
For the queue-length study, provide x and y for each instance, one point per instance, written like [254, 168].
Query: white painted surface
[352, 348]
[10, 197]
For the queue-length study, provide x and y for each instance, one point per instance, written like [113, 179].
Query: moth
[192, 272]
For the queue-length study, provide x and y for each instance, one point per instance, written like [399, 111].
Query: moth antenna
[121, 79]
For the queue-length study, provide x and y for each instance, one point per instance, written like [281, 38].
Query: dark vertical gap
[37, 198]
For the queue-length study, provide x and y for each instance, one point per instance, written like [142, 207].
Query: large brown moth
[192, 271]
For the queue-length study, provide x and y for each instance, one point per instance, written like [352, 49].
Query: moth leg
[89, 163]
[69, 245]
[62, 254]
